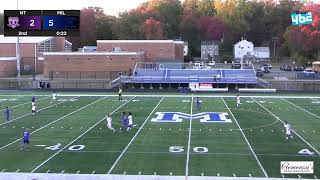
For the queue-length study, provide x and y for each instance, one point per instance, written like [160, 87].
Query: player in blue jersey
[7, 113]
[124, 121]
[33, 99]
[198, 104]
[26, 140]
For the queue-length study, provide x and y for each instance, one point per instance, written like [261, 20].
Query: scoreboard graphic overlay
[42, 22]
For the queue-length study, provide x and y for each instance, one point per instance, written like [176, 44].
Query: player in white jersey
[33, 108]
[120, 94]
[54, 97]
[130, 122]
[109, 123]
[238, 100]
[288, 130]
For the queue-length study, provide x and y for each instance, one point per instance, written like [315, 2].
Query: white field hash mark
[23, 104]
[245, 138]
[189, 139]
[125, 149]
[44, 162]
[53, 122]
[301, 108]
[292, 130]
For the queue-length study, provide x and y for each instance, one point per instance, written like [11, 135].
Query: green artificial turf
[71, 136]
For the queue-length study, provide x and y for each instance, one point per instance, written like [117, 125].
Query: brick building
[110, 58]
[31, 49]
[155, 50]
[90, 65]
[8, 66]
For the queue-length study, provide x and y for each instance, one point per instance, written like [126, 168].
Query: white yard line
[12, 120]
[166, 95]
[55, 154]
[186, 95]
[18, 105]
[292, 130]
[54, 121]
[244, 136]
[125, 149]
[301, 108]
[189, 140]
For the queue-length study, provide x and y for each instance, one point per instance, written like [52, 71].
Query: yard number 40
[71, 148]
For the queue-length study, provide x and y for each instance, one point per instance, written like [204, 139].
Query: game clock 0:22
[61, 33]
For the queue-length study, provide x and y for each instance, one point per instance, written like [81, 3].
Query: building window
[210, 47]
[67, 46]
[47, 46]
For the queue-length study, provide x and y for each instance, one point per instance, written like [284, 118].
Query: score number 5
[50, 22]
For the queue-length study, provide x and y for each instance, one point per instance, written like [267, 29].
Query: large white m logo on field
[205, 117]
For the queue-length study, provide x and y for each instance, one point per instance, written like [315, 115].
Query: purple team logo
[13, 22]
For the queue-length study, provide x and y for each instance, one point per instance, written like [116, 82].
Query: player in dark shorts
[124, 121]
[26, 140]
[120, 94]
[7, 113]
[198, 104]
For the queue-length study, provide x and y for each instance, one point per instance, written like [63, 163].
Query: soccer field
[174, 136]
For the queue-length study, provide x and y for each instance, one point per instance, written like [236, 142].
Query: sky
[111, 7]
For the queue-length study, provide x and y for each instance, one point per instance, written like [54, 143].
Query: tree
[104, 26]
[211, 28]
[234, 19]
[189, 32]
[128, 24]
[169, 12]
[152, 29]
[304, 41]
[206, 8]
[190, 8]
[88, 30]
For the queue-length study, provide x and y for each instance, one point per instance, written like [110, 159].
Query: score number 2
[31, 23]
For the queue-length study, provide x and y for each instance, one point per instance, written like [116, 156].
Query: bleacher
[308, 76]
[189, 75]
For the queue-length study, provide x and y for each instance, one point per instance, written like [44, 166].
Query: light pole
[18, 50]
[274, 39]
[241, 60]
[35, 59]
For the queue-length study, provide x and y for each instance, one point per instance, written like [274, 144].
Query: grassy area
[71, 136]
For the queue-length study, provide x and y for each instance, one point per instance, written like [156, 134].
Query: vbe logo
[299, 18]
[205, 117]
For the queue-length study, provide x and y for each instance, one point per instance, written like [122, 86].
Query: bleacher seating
[240, 76]
[308, 76]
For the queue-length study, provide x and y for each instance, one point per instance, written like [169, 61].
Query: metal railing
[192, 65]
[29, 83]
[88, 75]
[291, 75]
